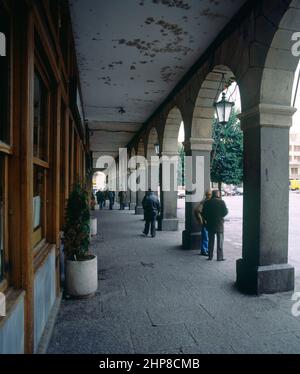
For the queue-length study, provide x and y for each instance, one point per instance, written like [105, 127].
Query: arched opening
[99, 181]
[172, 168]
[221, 147]
[294, 177]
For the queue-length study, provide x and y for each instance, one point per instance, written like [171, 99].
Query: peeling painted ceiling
[132, 53]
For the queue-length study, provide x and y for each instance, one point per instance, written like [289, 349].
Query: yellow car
[294, 184]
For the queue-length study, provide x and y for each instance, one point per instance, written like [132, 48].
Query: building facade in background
[294, 157]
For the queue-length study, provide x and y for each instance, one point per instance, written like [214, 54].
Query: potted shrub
[81, 265]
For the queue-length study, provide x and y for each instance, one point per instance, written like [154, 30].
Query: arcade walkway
[156, 298]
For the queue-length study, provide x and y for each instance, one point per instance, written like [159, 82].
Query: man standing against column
[214, 211]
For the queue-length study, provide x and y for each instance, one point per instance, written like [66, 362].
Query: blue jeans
[204, 240]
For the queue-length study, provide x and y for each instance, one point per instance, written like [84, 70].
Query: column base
[139, 210]
[264, 279]
[191, 240]
[168, 224]
[132, 206]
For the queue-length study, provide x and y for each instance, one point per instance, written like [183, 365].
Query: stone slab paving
[154, 297]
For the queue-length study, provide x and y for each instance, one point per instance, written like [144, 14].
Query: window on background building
[297, 148]
[293, 137]
[4, 78]
[294, 171]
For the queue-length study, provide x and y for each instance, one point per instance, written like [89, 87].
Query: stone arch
[151, 141]
[204, 106]
[171, 130]
[280, 64]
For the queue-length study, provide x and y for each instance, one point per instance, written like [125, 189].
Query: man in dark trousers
[151, 209]
[214, 211]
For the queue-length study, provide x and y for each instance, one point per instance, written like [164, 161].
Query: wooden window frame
[40, 244]
[42, 72]
[6, 150]
[7, 147]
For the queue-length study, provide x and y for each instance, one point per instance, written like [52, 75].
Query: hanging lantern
[223, 109]
[156, 146]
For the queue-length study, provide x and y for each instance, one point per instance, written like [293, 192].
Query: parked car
[181, 194]
[294, 184]
[239, 191]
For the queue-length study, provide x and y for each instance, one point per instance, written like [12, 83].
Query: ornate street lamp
[223, 109]
[156, 146]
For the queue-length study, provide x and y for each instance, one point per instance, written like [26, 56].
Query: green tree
[227, 152]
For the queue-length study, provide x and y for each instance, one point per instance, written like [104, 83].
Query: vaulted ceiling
[132, 53]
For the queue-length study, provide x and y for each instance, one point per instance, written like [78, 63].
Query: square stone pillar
[263, 267]
[131, 194]
[169, 191]
[196, 148]
[141, 185]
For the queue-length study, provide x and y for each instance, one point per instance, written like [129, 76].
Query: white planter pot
[93, 225]
[82, 277]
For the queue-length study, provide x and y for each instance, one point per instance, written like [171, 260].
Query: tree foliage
[227, 153]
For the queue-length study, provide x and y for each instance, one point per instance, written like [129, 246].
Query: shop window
[39, 177]
[2, 217]
[4, 77]
[41, 122]
[41, 113]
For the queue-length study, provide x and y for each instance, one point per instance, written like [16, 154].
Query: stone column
[196, 148]
[140, 194]
[169, 192]
[139, 197]
[131, 194]
[264, 267]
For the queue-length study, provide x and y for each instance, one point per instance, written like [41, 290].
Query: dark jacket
[151, 205]
[214, 211]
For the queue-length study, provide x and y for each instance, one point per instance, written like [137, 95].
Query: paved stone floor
[154, 297]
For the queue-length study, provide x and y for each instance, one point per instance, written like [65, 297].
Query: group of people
[103, 195]
[210, 215]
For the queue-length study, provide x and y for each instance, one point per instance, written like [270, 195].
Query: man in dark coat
[100, 198]
[151, 209]
[214, 211]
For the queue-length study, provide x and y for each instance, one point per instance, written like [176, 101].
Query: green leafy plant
[227, 153]
[77, 226]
